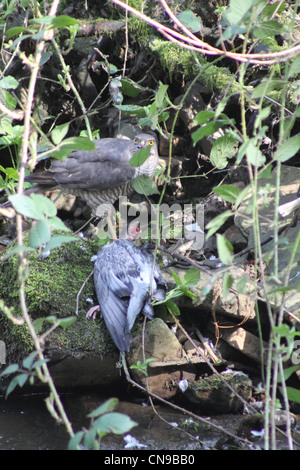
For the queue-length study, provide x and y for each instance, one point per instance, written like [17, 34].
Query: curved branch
[190, 41]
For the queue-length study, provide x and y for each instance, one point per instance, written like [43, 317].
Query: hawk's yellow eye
[151, 142]
[135, 141]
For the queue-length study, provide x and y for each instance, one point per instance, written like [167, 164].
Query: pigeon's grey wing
[137, 300]
[113, 307]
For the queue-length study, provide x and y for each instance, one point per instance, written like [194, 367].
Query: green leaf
[188, 293]
[160, 95]
[289, 371]
[267, 29]
[293, 394]
[203, 117]
[140, 156]
[225, 249]
[223, 149]
[90, 440]
[11, 369]
[62, 21]
[227, 192]
[28, 361]
[15, 31]
[263, 114]
[116, 423]
[57, 224]
[267, 86]
[16, 250]
[254, 155]
[172, 308]
[176, 278]
[217, 222]
[39, 234]
[74, 442]
[288, 149]
[45, 204]
[191, 277]
[227, 283]
[64, 323]
[190, 20]
[131, 88]
[108, 405]
[295, 67]
[132, 109]
[237, 10]
[204, 131]
[70, 144]
[26, 206]
[144, 185]
[9, 82]
[58, 240]
[59, 132]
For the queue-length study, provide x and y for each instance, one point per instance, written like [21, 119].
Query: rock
[234, 304]
[81, 354]
[289, 184]
[169, 365]
[210, 395]
[244, 341]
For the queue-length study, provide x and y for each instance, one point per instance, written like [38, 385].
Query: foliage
[245, 28]
[104, 420]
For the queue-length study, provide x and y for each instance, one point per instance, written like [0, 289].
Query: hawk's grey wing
[105, 167]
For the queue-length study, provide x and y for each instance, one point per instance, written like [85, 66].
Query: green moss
[52, 286]
[174, 58]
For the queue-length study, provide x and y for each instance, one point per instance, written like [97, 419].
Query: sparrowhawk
[101, 175]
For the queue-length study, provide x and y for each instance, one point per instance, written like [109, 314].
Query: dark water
[25, 424]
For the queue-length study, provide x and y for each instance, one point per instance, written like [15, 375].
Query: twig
[80, 290]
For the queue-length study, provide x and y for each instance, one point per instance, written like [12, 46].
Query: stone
[211, 395]
[169, 365]
[244, 341]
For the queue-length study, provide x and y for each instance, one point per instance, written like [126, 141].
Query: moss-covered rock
[52, 287]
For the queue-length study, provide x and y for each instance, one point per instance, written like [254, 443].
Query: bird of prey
[126, 280]
[100, 175]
